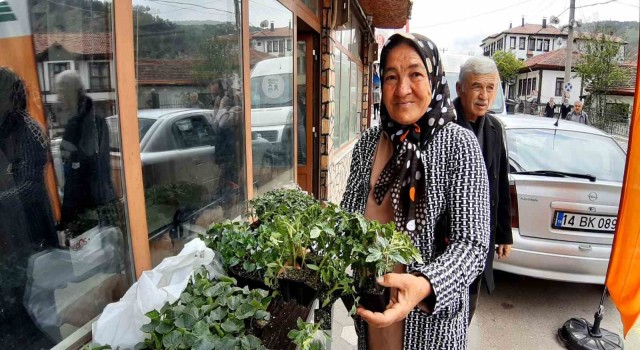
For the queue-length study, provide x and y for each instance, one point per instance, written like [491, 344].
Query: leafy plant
[209, 315]
[304, 336]
[96, 346]
[281, 202]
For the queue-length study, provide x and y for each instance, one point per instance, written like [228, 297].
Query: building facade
[167, 118]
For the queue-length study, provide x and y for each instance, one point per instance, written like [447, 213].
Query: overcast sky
[460, 25]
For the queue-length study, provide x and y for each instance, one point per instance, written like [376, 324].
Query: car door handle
[585, 247]
[197, 161]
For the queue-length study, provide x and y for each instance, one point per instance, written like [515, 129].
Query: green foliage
[281, 202]
[598, 67]
[508, 65]
[208, 315]
[96, 346]
[304, 336]
[298, 232]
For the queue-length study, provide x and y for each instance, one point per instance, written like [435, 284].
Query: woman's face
[406, 92]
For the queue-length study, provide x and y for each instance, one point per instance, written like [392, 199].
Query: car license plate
[585, 222]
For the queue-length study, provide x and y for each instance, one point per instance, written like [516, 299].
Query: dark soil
[252, 279]
[323, 318]
[284, 316]
[374, 297]
[300, 285]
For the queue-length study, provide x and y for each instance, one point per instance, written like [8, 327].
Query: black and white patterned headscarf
[404, 174]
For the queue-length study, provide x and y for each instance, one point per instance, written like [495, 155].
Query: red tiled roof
[530, 29]
[550, 60]
[76, 43]
[275, 33]
[179, 71]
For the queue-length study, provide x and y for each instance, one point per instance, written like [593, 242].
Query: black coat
[495, 158]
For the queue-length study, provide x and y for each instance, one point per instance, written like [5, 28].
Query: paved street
[523, 313]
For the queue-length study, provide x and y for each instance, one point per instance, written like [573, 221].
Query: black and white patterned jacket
[457, 184]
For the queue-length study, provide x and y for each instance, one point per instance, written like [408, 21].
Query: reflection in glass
[271, 94]
[191, 118]
[302, 103]
[62, 222]
[312, 5]
[345, 103]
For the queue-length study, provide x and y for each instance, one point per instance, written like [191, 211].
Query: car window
[193, 131]
[566, 151]
[144, 124]
[498, 104]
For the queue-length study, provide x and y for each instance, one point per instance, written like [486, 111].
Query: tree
[508, 65]
[598, 67]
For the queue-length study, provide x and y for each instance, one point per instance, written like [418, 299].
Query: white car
[565, 184]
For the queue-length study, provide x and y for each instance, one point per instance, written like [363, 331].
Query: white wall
[549, 86]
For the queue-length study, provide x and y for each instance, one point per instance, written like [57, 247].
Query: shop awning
[391, 14]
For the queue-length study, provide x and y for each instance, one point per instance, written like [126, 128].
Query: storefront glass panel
[63, 234]
[272, 98]
[188, 59]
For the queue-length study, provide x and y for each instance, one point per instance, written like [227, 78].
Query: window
[194, 131]
[532, 44]
[520, 83]
[534, 86]
[55, 69]
[528, 86]
[512, 42]
[539, 45]
[193, 164]
[312, 5]
[288, 44]
[559, 84]
[259, 43]
[99, 76]
[269, 46]
[54, 285]
[546, 45]
[523, 43]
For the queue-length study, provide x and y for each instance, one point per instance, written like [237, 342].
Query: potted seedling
[382, 248]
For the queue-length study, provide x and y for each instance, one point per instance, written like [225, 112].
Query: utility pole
[572, 22]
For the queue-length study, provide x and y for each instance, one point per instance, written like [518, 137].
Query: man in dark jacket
[477, 87]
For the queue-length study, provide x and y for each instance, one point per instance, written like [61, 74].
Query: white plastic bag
[120, 323]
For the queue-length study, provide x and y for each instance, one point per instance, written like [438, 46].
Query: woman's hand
[411, 290]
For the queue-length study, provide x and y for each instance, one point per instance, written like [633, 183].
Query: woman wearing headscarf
[411, 171]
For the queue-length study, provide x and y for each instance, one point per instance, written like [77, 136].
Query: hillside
[629, 31]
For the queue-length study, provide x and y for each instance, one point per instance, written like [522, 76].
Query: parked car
[565, 185]
[177, 147]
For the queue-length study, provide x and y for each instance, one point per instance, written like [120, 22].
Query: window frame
[512, 42]
[108, 86]
[532, 44]
[51, 77]
[559, 85]
[523, 43]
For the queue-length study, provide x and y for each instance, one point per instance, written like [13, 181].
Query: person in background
[194, 102]
[578, 115]
[412, 170]
[549, 108]
[565, 108]
[376, 102]
[85, 151]
[477, 88]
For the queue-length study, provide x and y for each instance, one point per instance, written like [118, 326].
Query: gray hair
[578, 101]
[477, 65]
[70, 85]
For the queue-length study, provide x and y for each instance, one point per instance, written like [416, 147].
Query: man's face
[577, 107]
[477, 93]
[214, 89]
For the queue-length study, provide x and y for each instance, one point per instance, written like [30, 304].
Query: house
[620, 98]
[543, 50]
[526, 40]
[274, 41]
[542, 77]
[88, 53]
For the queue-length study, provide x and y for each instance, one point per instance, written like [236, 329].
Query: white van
[272, 98]
[452, 64]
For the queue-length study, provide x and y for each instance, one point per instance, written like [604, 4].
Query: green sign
[5, 12]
